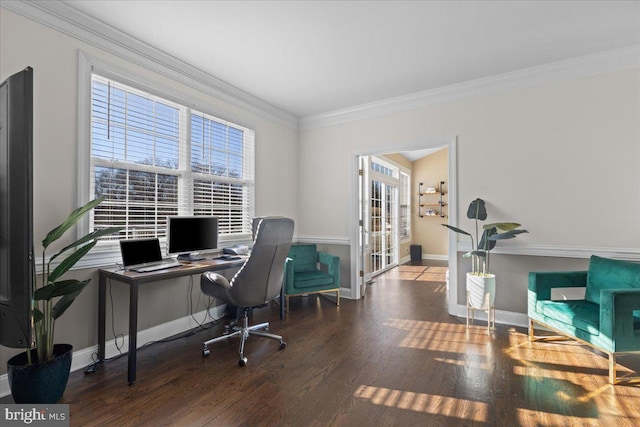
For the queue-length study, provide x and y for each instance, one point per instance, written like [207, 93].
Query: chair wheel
[242, 362]
[205, 352]
[282, 345]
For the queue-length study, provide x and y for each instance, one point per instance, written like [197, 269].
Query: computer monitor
[189, 236]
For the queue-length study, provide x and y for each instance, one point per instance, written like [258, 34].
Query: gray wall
[512, 279]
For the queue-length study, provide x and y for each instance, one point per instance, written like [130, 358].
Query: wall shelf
[431, 207]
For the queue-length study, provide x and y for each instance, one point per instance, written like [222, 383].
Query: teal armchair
[608, 318]
[308, 271]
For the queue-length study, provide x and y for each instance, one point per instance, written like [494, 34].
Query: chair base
[613, 377]
[337, 291]
[243, 332]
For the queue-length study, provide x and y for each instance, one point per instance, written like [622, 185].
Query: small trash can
[416, 252]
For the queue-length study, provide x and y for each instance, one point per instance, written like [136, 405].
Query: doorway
[379, 213]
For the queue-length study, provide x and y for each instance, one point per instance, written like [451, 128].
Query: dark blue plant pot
[40, 382]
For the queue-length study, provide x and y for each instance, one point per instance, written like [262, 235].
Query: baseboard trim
[85, 356]
[435, 257]
[345, 293]
[502, 317]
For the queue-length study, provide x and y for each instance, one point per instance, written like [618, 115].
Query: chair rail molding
[628, 254]
[323, 240]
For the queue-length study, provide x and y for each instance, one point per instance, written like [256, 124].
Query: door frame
[356, 256]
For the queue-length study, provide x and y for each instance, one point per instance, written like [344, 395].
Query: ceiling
[312, 57]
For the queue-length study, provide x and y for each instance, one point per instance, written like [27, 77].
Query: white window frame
[107, 252]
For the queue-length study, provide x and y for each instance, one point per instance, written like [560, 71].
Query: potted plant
[481, 283]
[40, 374]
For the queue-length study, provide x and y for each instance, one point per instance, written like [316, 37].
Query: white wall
[54, 58]
[561, 158]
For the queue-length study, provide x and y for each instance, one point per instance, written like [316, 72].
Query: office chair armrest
[217, 286]
[288, 276]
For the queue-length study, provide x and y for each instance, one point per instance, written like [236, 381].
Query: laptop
[143, 256]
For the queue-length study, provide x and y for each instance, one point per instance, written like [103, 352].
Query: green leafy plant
[52, 297]
[491, 234]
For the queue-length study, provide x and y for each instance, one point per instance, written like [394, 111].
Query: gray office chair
[257, 282]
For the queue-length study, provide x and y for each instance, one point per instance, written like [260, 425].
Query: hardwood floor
[394, 358]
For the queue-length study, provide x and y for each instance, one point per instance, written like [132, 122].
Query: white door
[363, 224]
[384, 230]
[383, 182]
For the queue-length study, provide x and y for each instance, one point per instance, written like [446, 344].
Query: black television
[190, 236]
[16, 208]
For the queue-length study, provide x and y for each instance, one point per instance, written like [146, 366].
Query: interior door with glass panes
[383, 218]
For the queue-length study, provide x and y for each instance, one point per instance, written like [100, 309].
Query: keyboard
[155, 267]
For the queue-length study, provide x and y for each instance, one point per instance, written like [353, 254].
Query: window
[219, 166]
[378, 167]
[154, 158]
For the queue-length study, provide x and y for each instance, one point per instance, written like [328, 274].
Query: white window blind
[222, 167]
[139, 160]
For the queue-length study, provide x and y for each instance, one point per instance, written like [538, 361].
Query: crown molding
[584, 66]
[64, 18]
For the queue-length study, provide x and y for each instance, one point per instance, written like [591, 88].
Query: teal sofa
[608, 318]
[308, 271]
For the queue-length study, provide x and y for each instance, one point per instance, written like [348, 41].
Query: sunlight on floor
[424, 403]
[438, 336]
[433, 274]
[533, 417]
[484, 366]
[540, 370]
[417, 273]
[405, 272]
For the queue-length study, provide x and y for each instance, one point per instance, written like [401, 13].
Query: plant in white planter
[34, 375]
[481, 284]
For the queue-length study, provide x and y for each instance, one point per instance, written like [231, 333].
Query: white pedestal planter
[481, 295]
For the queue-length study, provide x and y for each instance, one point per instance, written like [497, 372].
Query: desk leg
[133, 332]
[102, 312]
